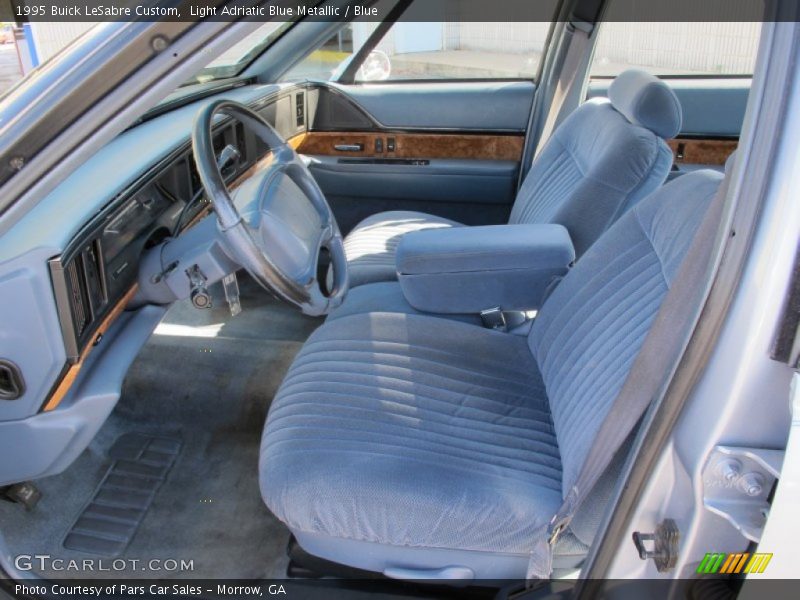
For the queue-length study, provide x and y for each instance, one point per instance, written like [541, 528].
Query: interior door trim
[702, 151]
[414, 145]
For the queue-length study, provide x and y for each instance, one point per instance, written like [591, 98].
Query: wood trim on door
[414, 145]
[701, 152]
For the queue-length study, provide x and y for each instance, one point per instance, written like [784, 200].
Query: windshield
[231, 62]
[23, 52]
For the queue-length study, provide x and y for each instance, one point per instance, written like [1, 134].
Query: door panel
[473, 192]
[451, 149]
[457, 106]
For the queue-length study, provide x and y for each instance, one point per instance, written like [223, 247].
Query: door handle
[349, 147]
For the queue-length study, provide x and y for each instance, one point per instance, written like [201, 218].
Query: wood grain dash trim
[64, 385]
[416, 145]
[702, 152]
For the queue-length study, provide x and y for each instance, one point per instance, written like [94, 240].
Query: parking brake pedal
[24, 493]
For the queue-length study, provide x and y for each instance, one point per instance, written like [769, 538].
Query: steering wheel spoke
[288, 220]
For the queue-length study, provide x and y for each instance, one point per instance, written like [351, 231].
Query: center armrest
[470, 269]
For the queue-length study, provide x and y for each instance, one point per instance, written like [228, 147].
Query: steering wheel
[278, 220]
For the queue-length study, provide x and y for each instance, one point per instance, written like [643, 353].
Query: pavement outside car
[9, 67]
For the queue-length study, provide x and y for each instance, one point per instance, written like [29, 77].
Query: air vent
[95, 279]
[300, 103]
[241, 142]
[12, 386]
[80, 316]
[194, 178]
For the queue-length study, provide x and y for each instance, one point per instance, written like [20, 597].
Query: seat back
[589, 331]
[605, 157]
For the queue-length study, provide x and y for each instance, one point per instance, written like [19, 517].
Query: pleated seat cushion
[412, 431]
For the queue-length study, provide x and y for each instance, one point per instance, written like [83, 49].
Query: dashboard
[100, 265]
[71, 265]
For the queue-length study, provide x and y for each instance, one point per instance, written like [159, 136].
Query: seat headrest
[647, 101]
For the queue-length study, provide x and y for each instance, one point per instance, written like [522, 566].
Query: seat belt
[663, 346]
[577, 40]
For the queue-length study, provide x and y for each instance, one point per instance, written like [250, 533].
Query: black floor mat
[110, 520]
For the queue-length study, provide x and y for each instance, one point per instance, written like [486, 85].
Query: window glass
[235, 58]
[457, 50]
[458, 47]
[676, 48]
[326, 62]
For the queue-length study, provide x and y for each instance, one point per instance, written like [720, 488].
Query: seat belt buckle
[493, 318]
[556, 528]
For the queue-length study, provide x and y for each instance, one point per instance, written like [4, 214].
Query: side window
[413, 50]
[456, 50]
[327, 61]
[676, 49]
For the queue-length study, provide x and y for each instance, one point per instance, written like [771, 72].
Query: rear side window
[677, 49]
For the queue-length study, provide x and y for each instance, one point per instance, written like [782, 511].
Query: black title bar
[377, 10]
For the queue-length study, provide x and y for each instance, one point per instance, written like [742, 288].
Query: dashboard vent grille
[79, 314]
[300, 107]
[240, 141]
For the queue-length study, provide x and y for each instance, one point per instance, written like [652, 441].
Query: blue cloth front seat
[606, 156]
[404, 443]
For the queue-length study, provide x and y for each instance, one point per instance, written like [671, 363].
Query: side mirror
[376, 67]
